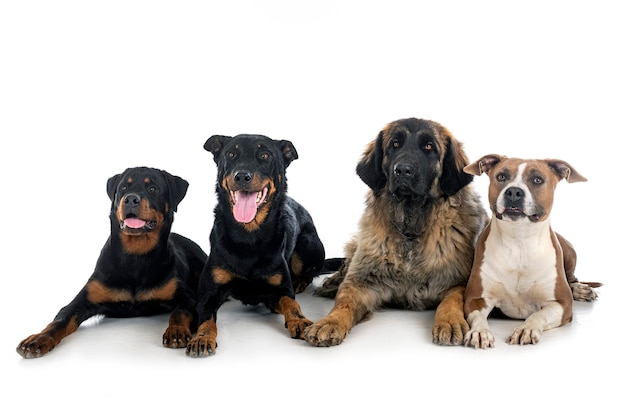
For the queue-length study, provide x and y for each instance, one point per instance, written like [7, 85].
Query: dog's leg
[39, 344]
[295, 321]
[205, 342]
[178, 332]
[479, 335]
[352, 304]
[450, 325]
[550, 316]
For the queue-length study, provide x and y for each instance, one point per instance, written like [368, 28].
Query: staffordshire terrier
[521, 266]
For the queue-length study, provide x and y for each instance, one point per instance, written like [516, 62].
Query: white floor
[391, 353]
[90, 88]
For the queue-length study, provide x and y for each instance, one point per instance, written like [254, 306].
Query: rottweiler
[143, 268]
[264, 245]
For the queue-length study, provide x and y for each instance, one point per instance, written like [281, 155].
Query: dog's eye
[501, 177]
[230, 154]
[123, 188]
[429, 146]
[264, 155]
[153, 189]
[537, 180]
[395, 143]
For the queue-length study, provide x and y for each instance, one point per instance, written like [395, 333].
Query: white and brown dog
[521, 266]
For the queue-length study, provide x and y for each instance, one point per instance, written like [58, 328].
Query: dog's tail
[331, 265]
[329, 287]
[592, 284]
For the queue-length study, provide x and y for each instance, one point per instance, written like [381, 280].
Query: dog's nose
[132, 200]
[514, 194]
[243, 177]
[404, 170]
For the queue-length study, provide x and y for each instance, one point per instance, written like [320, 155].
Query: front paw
[450, 331]
[35, 346]
[480, 338]
[297, 326]
[524, 336]
[176, 336]
[324, 333]
[201, 346]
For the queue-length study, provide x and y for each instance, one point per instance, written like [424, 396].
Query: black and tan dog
[415, 244]
[264, 245]
[143, 269]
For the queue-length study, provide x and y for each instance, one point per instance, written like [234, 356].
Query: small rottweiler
[264, 245]
[143, 269]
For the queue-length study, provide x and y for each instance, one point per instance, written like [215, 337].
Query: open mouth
[245, 204]
[134, 225]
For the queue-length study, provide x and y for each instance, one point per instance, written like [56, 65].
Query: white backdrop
[88, 89]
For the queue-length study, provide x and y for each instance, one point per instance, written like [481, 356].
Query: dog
[143, 268]
[521, 266]
[415, 242]
[264, 245]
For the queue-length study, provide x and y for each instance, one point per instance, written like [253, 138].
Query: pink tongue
[134, 223]
[244, 210]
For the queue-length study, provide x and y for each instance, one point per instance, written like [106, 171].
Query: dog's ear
[454, 160]
[289, 151]
[215, 144]
[370, 167]
[177, 187]
[484, 164]
[565, 171]
[112, 183]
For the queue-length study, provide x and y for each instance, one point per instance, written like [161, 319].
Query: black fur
[261, 253]
[142, 270]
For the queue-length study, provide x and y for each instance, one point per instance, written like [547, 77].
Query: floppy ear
[370, 168]
[452, 176]
[112, 185]
[565, 171]
[177, 187]
[484, 164]
[215, 144]
[289, 151]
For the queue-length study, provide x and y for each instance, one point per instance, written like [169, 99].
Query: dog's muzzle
[513, 206]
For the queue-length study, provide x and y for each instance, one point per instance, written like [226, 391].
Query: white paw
[524, 336]
[479, 338]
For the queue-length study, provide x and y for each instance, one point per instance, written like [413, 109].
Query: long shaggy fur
[415, 242]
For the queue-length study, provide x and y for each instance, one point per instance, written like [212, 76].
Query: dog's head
[522, 189]
[414, 159]
[143, 202]
[250, 174]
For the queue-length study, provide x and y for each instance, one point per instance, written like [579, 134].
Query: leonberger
[415, 244]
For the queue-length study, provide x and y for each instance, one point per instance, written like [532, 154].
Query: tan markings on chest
[98, 293]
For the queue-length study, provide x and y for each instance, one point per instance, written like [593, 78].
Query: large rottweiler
[143, 269]
[264, 245]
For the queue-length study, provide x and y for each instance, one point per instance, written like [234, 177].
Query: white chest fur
[519, 270]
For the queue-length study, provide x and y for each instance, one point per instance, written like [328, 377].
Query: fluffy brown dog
[415, 245]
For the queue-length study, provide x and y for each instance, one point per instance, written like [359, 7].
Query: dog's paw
[324, 333]
[176, 336]
[524, 336]
[35, 346]
[583, 292]
[297, 326]
[480, 338]
[201, 346]
[450, 333]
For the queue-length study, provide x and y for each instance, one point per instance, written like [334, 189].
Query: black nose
[404, 170]
[514, 194]
[242, 178]
[132, 200]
